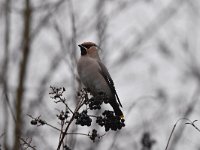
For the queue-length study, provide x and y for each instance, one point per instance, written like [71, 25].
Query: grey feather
[109, 80]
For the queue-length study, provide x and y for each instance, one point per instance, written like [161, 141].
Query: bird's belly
[95, 82]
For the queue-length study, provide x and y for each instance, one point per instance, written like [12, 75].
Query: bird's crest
[88, 44]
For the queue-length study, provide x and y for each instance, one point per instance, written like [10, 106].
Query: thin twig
[173, 129]
[71, 120]
[63, 101]
[53, 127]
[187, 113]
[38, 119]
[192, 123]
[28, 144]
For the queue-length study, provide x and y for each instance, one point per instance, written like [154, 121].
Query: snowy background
[150, 47]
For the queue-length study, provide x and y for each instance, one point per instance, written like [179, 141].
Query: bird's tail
[117, 110]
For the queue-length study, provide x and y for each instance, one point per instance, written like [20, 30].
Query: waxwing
[95, 76]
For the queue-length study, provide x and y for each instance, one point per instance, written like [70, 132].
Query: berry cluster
[83, 118]
[95, 102]
[147, 141]
[93, 135]
[63, 115]
[37, 121]
[83, 94]
[110, 121]
[56, 92]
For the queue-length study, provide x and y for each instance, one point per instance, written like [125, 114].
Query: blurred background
[150, 47]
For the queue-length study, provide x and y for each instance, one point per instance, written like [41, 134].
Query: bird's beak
[81, 46]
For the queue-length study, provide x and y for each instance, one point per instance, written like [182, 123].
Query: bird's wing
[109, 80]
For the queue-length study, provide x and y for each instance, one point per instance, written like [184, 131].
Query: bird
[95, 76]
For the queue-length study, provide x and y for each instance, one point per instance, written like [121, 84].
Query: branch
[71, 120]
[22, 72]
[187, 114]
[173, 129]
[27, 144]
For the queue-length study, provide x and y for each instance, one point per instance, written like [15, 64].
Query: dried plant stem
[71, 120]
[173, 129]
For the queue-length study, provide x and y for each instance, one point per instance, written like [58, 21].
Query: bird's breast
[89, 72]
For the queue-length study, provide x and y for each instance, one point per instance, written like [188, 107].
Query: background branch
[22, 74]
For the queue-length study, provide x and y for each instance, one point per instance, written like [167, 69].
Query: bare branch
[173, 129]
[22, 73]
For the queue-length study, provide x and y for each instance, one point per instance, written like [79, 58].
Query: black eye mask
[83, 50]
